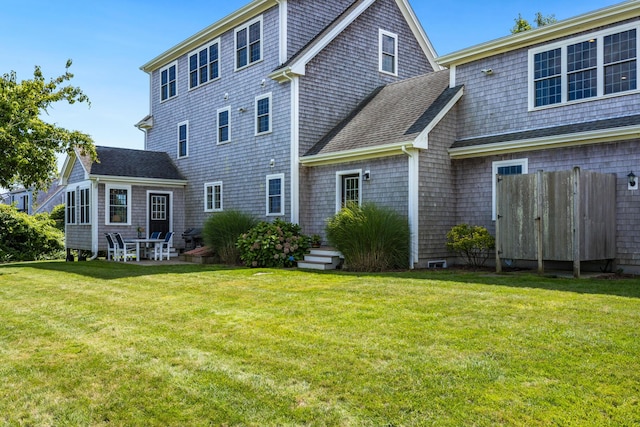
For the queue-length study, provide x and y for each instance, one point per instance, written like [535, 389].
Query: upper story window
[224, 125]
[204, 64]
[183, 139]
[168, 82]
[118, 204]
[213, 196]
[249, 43]
[388, 52]
[263, 114]
[590, 66]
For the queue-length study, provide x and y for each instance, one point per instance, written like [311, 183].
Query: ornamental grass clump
[474, 243]
[221, 232]
[371, 238]
[273, 244]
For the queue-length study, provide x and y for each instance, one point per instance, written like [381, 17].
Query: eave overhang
[358, 154]
[247, 12]
[157, 182]
[564, 28]
[543, 143]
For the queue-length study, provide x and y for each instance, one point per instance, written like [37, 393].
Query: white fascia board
[559, 141]
[139, 181]
[564, 28]
[419, 33]
[65, 171]
[241, 15]
[357, 154]
[422, 141]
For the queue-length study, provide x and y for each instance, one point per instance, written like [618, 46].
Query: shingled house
[291, 108]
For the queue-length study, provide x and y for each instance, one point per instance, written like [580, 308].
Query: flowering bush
[273, 244]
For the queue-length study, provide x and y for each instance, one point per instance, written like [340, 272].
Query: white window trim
[67, 208]
[197, 52]
[235, 43]
[339, 176]
[279, 176]
[599, 36]
[107, 190]
[381, 34]
[80, 188]
[222, 110]
[494, 171]
[259, 98]
[186, 122]
[166, 68]
[213, 185]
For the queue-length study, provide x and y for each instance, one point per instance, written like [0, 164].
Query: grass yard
[100, 343]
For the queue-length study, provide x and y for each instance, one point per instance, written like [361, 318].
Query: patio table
[140, 242]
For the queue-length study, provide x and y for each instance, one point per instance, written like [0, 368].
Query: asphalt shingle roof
[596, 125]
[395, 113]
[126, 162]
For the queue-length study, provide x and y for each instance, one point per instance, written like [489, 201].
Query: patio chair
[112, 249]
[155, 235]
[126, 250]
[164, 248]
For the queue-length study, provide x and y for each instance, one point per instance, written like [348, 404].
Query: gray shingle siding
[346, 72]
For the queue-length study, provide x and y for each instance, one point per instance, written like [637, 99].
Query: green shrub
[471, 242]
[57, 214]
[273, 244]
[371, 238]
[221, 232]
[28, 238]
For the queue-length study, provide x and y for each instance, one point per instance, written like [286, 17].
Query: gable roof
[604, 130]
[588, 21]
[393, 118]
[128, 165]
[296, 64]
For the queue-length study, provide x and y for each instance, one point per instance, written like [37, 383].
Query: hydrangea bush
[273, 244]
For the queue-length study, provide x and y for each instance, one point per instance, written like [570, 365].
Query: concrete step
[315, 265]
[324, 258]
[325, 251]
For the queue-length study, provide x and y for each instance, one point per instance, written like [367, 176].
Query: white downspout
[413, 208]
[94, 219]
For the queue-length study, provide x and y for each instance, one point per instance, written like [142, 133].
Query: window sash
[71, 207]
[275, 195]
[224, 125]
[388, 52]
[183, 138]
[168, 84]
[85, 206]
[204, 64]
[213, 197]
[118, 206]
[263, 114]
[248, 39]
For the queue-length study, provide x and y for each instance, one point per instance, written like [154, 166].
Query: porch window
[213, 196]
[118, 205]
[71, 207]
[275, 195]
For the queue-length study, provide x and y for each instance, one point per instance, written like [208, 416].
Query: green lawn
[100, 343]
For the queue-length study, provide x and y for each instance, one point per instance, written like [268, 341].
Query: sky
[108, 41]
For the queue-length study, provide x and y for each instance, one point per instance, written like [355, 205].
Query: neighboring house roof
[128, 165]
[297, 63]
[596, 131]
[393, 118]
[564, 28]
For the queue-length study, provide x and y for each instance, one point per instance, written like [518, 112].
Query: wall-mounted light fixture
[633, 182]
[272, 163]
[226, 96]
[263, 83]
[366, 176]
[487, 71]
[242, 109]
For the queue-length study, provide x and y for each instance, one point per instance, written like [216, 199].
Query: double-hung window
[275, 195]
[506, 167]
[213, 196]
[263, 114]
[118, 204]
[168, 82]
[388, 52]
[71, 207]
[84, 206]
[249, 43]
[224, 125]
[586, 67]
[183, 139]
[204, 64]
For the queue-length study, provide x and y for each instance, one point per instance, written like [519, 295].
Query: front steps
[321, 259]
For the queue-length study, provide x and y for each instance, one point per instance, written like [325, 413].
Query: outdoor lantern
[632, 180]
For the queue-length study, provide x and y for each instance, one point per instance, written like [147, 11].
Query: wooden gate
[556, 216]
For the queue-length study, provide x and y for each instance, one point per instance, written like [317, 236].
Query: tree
[28, 145]
[540, 21]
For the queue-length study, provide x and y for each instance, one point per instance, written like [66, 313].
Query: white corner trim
[414, 208]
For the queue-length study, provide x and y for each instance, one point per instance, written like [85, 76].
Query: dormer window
[249, 43]
[582, 68]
